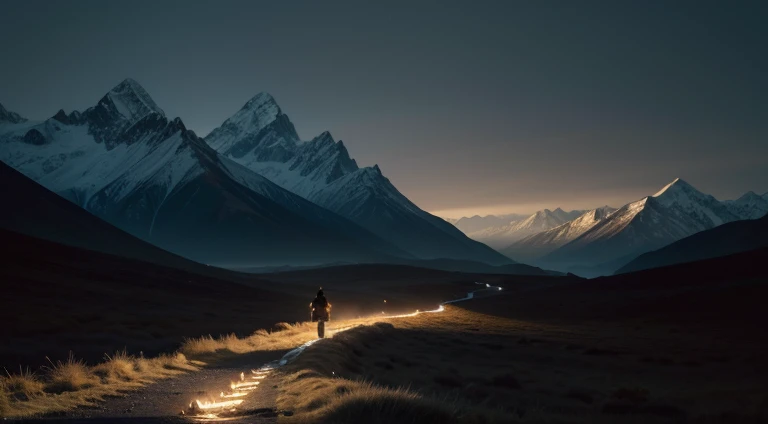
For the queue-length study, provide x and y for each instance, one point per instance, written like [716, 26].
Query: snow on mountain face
[258, 132]
[125, 162]
[539, 244]
[131, 101]
[478, 223]
[676, 211]
[367, 197]
[503, 236]
[685, 201]
[262, 138]
[748, 206]
[72, 163]
[7, 116]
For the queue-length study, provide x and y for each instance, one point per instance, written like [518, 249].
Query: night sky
[468, 107]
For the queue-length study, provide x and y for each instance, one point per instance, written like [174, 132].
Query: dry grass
[326, 385]
[118, 367]
[497, 370]
[72, 383]
[462, 366]
[21, 386]
[348, 401]
[288, 336]
[70, 376]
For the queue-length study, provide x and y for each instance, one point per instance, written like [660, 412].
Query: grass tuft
[376, 405]
[119, 366]
[21, 386]
[69, 376]
[288, 337]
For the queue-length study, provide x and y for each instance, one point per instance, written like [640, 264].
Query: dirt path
[162, 402]
[241, 389]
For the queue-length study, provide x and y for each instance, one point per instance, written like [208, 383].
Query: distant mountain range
[480, 223]
[250, 194]
[748, 206]
[540, 244]
[603, 240]
[502, 236]
[676, 211]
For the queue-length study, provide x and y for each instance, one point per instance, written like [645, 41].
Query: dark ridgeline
[262, 138]
[128, 164]
[727, 239]
[160, 182]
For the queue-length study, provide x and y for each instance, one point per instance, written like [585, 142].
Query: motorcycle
[320, 315]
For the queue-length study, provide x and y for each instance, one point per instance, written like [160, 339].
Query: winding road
[234, 390]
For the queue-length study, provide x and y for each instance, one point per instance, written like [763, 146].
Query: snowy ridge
[538, 244]
[676, 211]
[132, 102]
[125, 162]
[312, 166]
[748, 206]
[9, 117]
[503, 236]
[74, 165]
[478, 223]
[249, 127]
[261, 138]
[688, 202]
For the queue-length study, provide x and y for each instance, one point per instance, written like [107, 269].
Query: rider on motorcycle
[321, 309]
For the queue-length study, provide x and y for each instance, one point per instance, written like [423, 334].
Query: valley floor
[466, 366]
[629, 350]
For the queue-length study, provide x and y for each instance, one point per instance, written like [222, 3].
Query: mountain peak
[324, 137]
[750, 195]
[677, 185]
[258, 112]
[132, 101]
[8, 116]
[260, 100]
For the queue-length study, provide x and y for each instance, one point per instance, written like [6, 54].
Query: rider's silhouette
[320, 307]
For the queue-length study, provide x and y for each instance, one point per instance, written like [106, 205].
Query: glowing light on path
[244, 387]
[234, 395]
[225, 404]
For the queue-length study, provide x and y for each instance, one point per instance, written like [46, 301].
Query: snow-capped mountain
[503, 236]
[477, 223]
[539, 244]
[125, 162]
[748, 206]
[676, 211]
[10, 117]
[262, 138]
